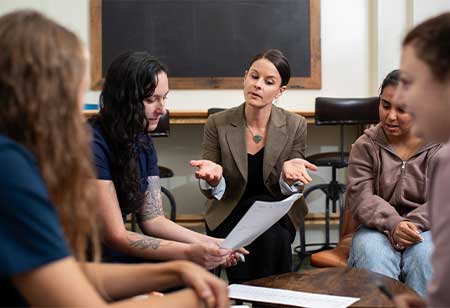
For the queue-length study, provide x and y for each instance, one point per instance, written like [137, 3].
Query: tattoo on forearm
[153, 202]
[143, 241]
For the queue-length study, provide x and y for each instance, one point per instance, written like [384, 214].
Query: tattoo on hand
[144, 242]
[153, 201]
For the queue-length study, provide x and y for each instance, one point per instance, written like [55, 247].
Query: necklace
[256, 138]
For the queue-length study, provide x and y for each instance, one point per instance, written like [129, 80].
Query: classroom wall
[352, 64]
[337, 78]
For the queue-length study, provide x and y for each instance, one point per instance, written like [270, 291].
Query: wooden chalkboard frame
[312, 82]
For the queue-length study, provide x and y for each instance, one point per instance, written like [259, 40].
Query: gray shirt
[438, 292]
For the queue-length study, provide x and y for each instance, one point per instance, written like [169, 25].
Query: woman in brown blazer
[255, 152]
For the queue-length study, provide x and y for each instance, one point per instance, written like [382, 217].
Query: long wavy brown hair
[42, 65]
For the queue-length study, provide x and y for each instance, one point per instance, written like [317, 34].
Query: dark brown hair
[42, 65]
[391, 79]
[277, 58]
[431, 42]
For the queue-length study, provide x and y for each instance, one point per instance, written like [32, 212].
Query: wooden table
[341, 281]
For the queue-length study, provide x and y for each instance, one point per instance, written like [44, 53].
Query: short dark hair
[279, 60]
[391, 79]
[431, 42]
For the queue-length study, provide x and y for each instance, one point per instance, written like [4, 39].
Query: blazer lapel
[236, 141]
[275, 141]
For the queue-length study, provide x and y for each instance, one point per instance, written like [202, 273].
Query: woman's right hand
[211, 289]
[208, 171]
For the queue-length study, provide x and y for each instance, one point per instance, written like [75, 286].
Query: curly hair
[131, 78]
[42, 65]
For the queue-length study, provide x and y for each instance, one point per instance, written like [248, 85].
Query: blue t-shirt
[148, 166]
[30, 233]
[148, 161]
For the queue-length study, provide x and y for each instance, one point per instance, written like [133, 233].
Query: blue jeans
[372, 250]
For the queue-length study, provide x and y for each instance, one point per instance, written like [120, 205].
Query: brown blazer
[224, 143]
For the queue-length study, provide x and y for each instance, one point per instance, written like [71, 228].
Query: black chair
[214, 110]
[335, 111]
[162, 130]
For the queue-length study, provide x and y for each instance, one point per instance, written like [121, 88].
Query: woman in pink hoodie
[388, 175]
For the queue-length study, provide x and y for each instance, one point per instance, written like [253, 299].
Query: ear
[280, 91]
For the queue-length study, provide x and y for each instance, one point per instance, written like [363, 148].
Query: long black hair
[131, 78]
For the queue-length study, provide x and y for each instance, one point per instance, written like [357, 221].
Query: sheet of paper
[260, 217]
[287, 297]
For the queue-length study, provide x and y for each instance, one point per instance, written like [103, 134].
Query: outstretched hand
[296, 170]
[208, 171]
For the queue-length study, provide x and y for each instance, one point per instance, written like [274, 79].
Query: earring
[275, 101]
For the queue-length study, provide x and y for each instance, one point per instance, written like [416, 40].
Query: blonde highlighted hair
[42, 65]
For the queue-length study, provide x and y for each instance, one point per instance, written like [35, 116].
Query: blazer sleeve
[367, 207]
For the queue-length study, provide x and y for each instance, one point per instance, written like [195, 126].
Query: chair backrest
[340, 111]
[163, 127]
[215, 110]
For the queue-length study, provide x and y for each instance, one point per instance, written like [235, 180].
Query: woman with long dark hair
[132, 100]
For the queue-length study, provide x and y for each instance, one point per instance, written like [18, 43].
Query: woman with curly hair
[46, 201]
[131, 103]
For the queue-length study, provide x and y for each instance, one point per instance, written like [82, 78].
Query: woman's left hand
[406, 234]
[296, 170]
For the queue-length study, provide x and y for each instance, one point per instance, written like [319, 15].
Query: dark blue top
[148, 161]
[30, 232]
[148, 166]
